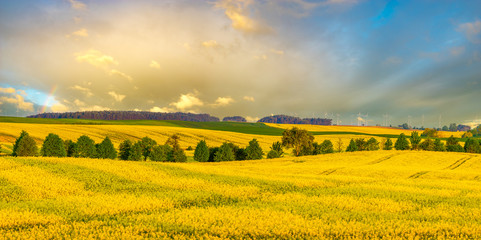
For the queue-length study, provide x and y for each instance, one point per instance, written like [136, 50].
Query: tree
[201, 153]
[160, 153]
[254, 151]
[401, 143]
[352, 147]
[106, 149]
[415, 139]
[276, 151]
[147, 144]
[25, 146]
[388, 144]
[70, 148]
[372, 144]
[361, 144]
[296, 138]
[136, 152]
[472, 146]
[212, 152]
[177, 154]
[53, 146]
[124, 149]
[405, 126]
[326, 147]
[240, 154]
[453, 127]
[85, 147]
[452, 145]
[224, 153]
[427, 145]
[430, 132]
[339, 145]
[439, 146]
[445, 128]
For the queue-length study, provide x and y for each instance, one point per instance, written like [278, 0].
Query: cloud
[393, 60]
[223, 101]
[252, 119]
[59, 108]
[81, 33]
[262, 57]
[210, 44]
[456, 51]
[154, 64]
[121, 74]
[187, 101]
[86, 91]
[79, 103]
[249, 98]
[95, 108]
[237, 11]
[77, 5]
[116, 96]
[164, 110]
[278, 52]
[471, 30]
[7, 90]
[19, 101]
[96, 58]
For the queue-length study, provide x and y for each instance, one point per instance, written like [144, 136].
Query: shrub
[53, 146]
[124, 149]
[212, 152]
[472, 146]
[240, 154]
[189, 148]
[201, 153]
[106, 149]
[452, 145]
[388, 144]
[85, 147]
[25, 146]
[372, 144]
[224, 153]
[136, 152]
[70, 148]
[326, 147]
[415, 139]
[276, 151]
[160, 153]
[147, 144]
[352, 147]
[427, 145]
[402, 143]
[439, 146]
[254, 151]
[177, 155]
[361, 144]
[430, 132]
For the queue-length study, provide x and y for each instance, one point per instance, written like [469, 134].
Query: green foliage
[415, 139]
[452, 145]
[388, 144]
[467, 134]
[147, 144]
[254, 151]
[297, 138]
[472, 146]
[427, 145]
[177, 154]
[53, 146]
[161, 153]
[402, 143]
[25, 146]
[439, 146]
[201, 153]
[124, 149]
[70, 148]
[361, 144]
[276, 150]
[136, 152]
[225, 153]
[430, 132]
[372, 144]
[189, 148]
[326, 147]
[106, 149]
[352, 147]
[405, 126]
[453, 127]
[240, 154]
[212, 152]
[445, 128]
[85, 147]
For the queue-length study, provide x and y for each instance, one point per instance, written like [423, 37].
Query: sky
[381, 62]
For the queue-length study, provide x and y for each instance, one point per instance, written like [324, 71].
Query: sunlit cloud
[223, 101]
[79, 103]
[81, 33]
[115, 72]
[7, 90]
[78, 5]
[471, 30]
[187, 101]
[278, 52]
[249, 98]
[210, 44]
[154, 64]
[18, 101]
[251, 119]
[95, 108]
[116, 96]
[96, 58]
[161, 110]
[58, 107]
[85, 90]
[238, 12]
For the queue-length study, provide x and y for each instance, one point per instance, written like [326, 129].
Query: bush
[136, 152]
[472, 146]
[415, 139]
[372, 144]
[189, 148]
[276, 151]
[106, 149]
[201, 153]
[224, 153]
[147, 144]
[427, 145]
[124, 149]
[402, 143]
[254, 151]
[452, 145]
[388, 144]
[439, 146]
[70, 148]
[25, 146]
[212, 152]
[430, 132]
[361, 144]
[352, 147]
[326, 147]
[53, 146]
[240, 154]
[160, 153]
[177, 155]
[85, 147]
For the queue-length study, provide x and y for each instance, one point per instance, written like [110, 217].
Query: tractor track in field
[383, 159]
[418, 174]
[329, 171]
[458, 163]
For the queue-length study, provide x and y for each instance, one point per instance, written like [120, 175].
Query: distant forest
[191, 117]
[130, 115]
[295, 120]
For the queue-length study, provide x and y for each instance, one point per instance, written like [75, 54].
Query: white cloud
[81, 33]
[472, 31]
[210, 44]
[19, 101]
[77, 5]
[116, 96]
[278, 52]
[238, 12]
[96, 58]
[187, 101]
[164, 110]
[86, 91]
[249, 98]
[252, 119]
[262, 57]
[79, 103]
[7, 90]
[223, 101]
[115, 72]
[95, 108]
[154, 64]
[59, 108]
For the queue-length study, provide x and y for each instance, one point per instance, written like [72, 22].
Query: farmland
[380, 194]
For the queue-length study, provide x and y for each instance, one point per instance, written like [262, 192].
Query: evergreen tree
[276, 151]
[388, 144]
[15, 145]
[85, 147]
[224, 153]
[401, 143]
[124, 149]
[106, 149]
[427, 145]
[439, 146]
[147, 144]
[472, 146]
[160, 153]
[372, 144]
[326, 147]
[254, 151]
[201, 153]
[415, 139]
[25, 146]
[136, 152]
[352, 147]
[452, 145]
[53, 146]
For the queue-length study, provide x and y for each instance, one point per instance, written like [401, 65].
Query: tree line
[284, 119]
[130, 115]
